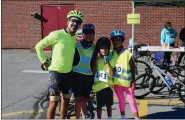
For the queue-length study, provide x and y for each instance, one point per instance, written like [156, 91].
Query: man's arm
[47, 41]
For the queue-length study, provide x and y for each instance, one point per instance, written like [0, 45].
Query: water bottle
[168, 45]
[169, 81]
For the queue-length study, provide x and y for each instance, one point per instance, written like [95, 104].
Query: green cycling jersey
[63, 50]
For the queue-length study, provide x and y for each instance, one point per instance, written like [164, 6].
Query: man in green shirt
[60, 71]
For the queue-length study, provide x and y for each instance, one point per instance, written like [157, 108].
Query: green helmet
[75, 13]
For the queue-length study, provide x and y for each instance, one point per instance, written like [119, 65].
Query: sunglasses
[77, 21]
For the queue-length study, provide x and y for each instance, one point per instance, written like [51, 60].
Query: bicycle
[44, 104]
[140, 59]
[156, 84]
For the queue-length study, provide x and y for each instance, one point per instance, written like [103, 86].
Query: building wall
[20, 30]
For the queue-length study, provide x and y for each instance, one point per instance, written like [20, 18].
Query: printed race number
[102, 76]
[119, 69]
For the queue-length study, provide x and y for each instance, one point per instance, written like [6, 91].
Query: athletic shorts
[82, 84]
[59, 83]
[104, 97]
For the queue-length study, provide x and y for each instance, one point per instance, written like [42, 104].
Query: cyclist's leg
[54, 95]
[109, 111]
[86, 91]
[109, 101]
[101, 101]
[77, 90]
[99, 112]
[132, 101]
[65, 88]
[120, 94]
[64, 105]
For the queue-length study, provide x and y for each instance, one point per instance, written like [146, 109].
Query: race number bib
[119, 69]
[102, 76]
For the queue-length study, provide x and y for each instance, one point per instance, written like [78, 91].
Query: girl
[125, 74]
[103, 83]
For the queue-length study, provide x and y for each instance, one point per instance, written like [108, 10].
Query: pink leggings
[130, 96]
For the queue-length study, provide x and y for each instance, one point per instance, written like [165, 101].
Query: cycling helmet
[88, 28]
[117, 33]
[75, 13]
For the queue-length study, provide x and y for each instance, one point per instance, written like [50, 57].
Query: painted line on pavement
[19, 113]
[165, 101]
[35, 71]
[157, 100]
[143, 109]
[73, 117]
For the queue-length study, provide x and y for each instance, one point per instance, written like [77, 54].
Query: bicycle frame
[161, 73]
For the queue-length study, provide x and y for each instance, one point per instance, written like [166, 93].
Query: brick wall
[20, 30]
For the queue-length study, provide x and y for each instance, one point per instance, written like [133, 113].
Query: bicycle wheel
[71, 110]
[183, 60]
[179, 70]
[159, 85]
[90, 114]
[181, 93]
[141, 67]
[44, 104]
[144, 84]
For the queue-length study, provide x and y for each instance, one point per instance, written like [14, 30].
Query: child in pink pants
[131, 99]
[124, 78]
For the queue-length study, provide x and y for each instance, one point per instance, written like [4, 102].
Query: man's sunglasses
[77, 21]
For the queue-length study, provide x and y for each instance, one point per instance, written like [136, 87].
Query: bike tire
[158, 87]
[144, 81]
[141, 67]
[181, 93]
[179, 70]
[44, 104]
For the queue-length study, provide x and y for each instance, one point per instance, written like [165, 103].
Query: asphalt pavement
[24, 86]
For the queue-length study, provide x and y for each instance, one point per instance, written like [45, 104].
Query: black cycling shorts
[104, 97]
[59, 83]
[82, 84]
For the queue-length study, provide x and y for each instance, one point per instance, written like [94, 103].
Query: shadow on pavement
[176, 113]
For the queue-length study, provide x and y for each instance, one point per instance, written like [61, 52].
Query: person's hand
[100, 55]
[44, 66]
[133, 86]
[79, 38]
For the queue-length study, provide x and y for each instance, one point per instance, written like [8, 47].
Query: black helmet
[103, 41]
[88, 28]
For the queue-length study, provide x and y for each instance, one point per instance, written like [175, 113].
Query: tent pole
[132, 29]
